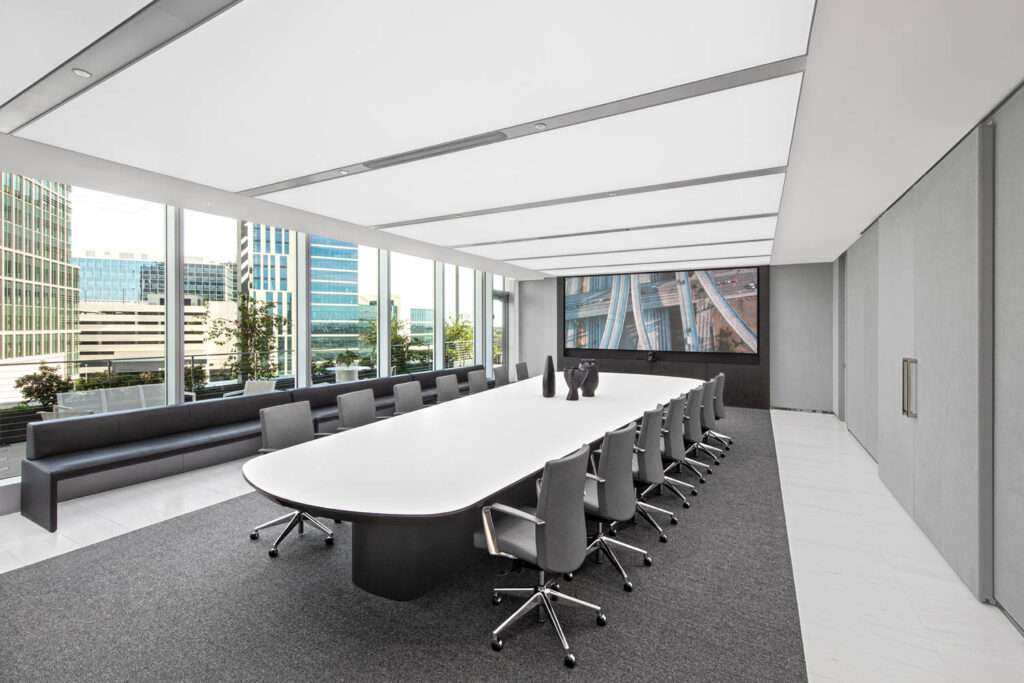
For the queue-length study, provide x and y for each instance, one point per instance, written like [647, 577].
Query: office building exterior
[268, 272]
[335, 311]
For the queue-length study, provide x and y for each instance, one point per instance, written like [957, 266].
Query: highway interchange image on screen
[703, 311]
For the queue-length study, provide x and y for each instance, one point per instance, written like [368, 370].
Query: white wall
[801, 328]
[537, 307]
[862, 339]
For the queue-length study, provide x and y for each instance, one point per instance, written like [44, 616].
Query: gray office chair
[647, 470]
[674, 449]
[551, 538]
[610, 497]
[707, 424]
[478, 381]
[408, 397]
[522, 372]
[693, 433]
[284, 426]
[447, 388]
[719, 411]
[357, 408]
[500, 376]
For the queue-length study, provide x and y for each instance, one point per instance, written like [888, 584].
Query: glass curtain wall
[501, 306]
[343, 310]
[412, 314]
[459, 317]
[240, 289]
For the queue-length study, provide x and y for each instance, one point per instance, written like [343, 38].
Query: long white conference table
[413, 485]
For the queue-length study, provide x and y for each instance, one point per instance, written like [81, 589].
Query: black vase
[548, 383]
[574, 378]
[590, 383]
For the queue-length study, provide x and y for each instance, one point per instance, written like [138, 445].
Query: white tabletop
[444, 458]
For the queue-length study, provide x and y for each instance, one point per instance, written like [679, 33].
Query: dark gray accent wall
[801, 310]
[862, 339]
[748, 382]
[1008, 460]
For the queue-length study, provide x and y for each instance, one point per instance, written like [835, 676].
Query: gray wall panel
[538, 321]
[895, 452]
[946, 319]
[1009, 380]
[801, 310]
[862, 339]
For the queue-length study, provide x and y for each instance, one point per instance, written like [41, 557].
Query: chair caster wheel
[674, 519]
[602, 620]
[663, 538]
[711, 471]
[648, 560]
[703, 480]
[254, 535]
[570, 661]
[686, 506]
[497, 644]
[695, 492]
[628, 586]
[496, 600]
[329, 540]
[556, 587]
[613, 533]
[568, 576]
[272, 552]
[337, 521]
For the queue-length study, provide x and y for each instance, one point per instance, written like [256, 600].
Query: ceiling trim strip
[692, 182]
[597, 270]
[590, 233]
[157, 24]
[756, 74]
[663, 247]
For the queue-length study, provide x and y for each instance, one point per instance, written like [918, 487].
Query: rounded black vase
[574, 378]
[590, 383]
[548, 382]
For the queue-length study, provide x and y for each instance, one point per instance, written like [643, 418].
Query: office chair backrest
[447, 388]
[649, 441]
[478, 381]
[675, 444]
[258, 386]
[286, 425]
[707, 408]
[522, 372]
[562, 539]
[616, 497]
[356, 409]
[408, 397]
[500, 376]
[720, 396]
[691, 417]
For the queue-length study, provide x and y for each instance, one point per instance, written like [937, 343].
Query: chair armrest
[320, 435]
[234, 393]
[489, 534]
[383, 417]
[599, 480]
[264, 451]
[638, 450]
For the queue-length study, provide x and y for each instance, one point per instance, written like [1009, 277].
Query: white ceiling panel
[40, 36]
[648, 238]
[740, 129]
[632, 258]
[695, 203]
[272, 90]
[665, 265]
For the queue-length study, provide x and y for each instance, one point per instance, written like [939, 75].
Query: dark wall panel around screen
[748, 377]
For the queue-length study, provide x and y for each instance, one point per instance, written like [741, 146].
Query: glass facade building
[38, 281]
[268, 273]
[336, 319]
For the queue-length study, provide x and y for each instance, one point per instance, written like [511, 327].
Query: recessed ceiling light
[342, 172]
[540, 126]
[82, 73]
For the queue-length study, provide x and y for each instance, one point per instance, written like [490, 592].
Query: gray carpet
[194, 599]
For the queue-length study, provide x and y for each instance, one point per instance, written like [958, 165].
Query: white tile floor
[877, 602]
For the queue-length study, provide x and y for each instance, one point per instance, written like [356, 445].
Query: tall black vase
[590, 383]
[548, 383]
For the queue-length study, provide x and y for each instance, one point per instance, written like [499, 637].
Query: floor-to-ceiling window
[501, 306]
[343, 310]
[459, 318]
[240, 293]
[412, 313]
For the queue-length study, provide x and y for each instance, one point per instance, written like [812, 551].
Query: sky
[104, 222]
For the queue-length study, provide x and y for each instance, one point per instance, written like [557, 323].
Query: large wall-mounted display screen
[696, 311]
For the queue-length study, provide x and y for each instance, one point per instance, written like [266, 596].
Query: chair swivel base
[541, 597]
[602, 543]
[291, 520]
